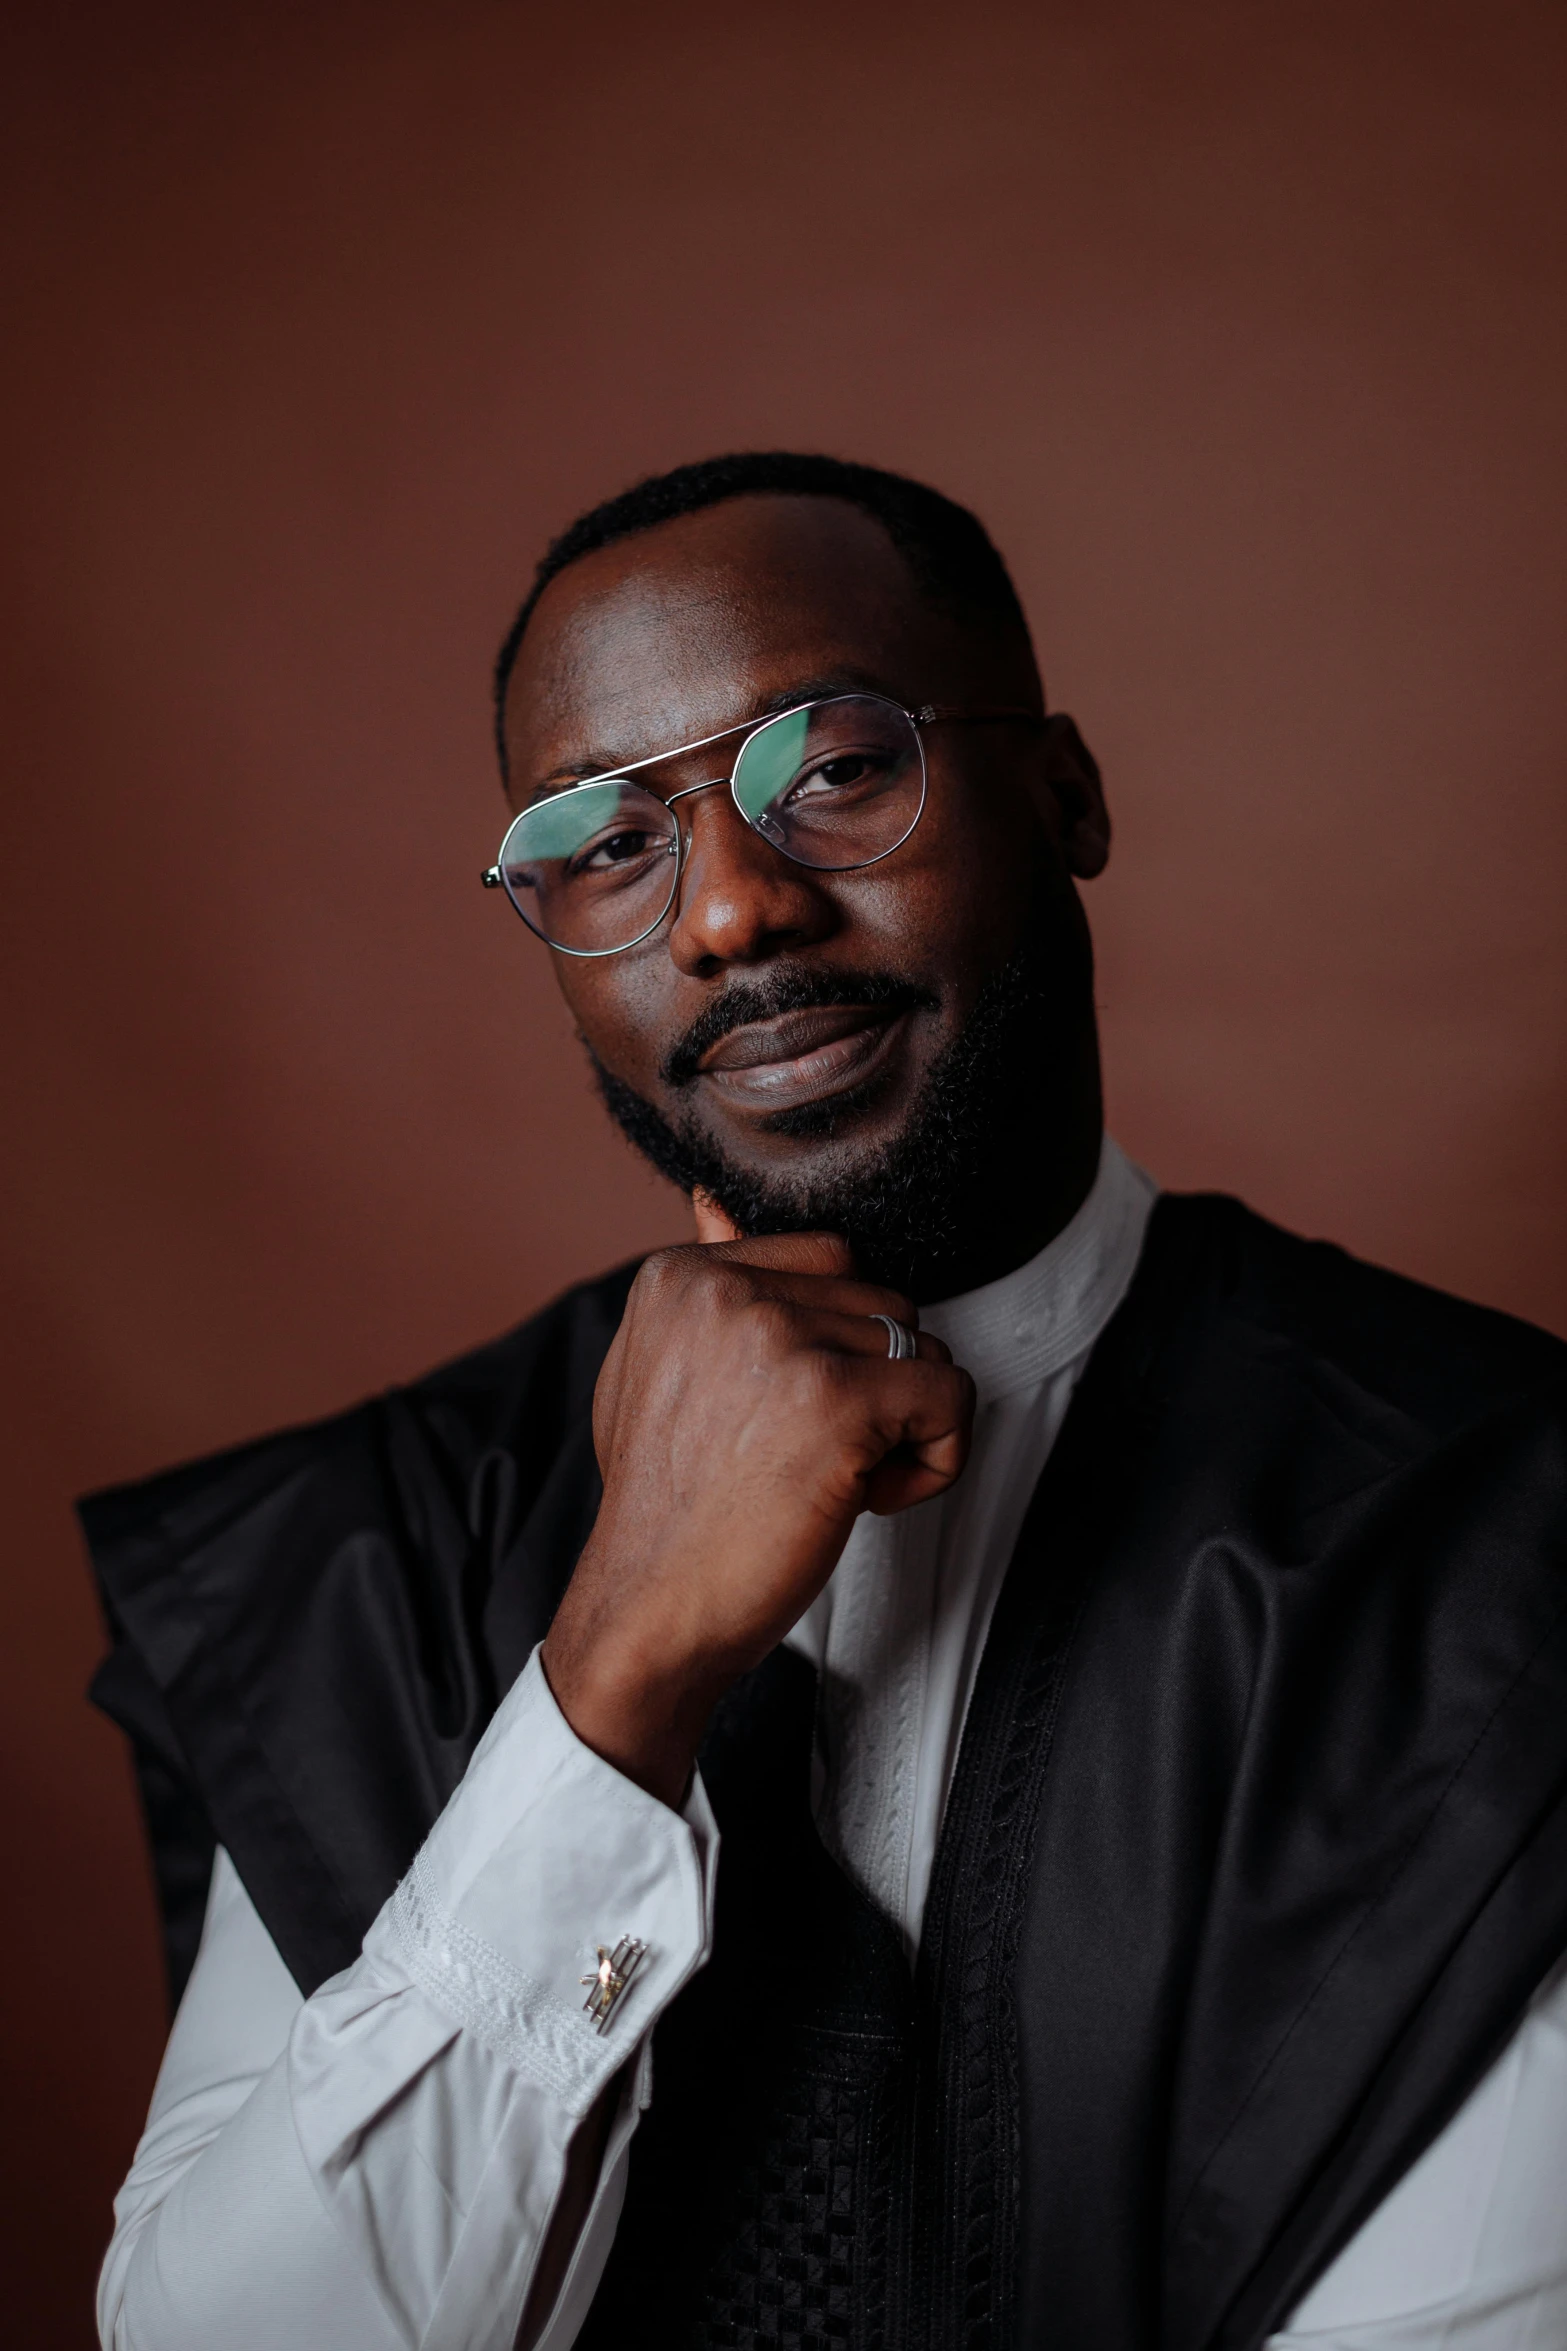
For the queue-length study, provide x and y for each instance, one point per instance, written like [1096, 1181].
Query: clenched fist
[746, 1414]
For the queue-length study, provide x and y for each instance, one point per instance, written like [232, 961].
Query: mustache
[787, 988]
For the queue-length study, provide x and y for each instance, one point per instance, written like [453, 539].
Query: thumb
[712, 1222]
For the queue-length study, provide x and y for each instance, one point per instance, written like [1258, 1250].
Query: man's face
[789, 1023]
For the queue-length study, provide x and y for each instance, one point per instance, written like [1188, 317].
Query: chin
[904, 1166]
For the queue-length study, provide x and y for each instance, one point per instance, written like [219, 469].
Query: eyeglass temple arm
[929, 712]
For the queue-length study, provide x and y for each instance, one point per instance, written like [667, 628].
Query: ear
[1077, 815]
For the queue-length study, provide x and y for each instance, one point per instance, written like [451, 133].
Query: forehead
[699, 622]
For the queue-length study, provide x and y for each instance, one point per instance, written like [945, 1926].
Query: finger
[905, 1479]
[811, 1253]
[811, 1269]
[860, 1331]
[811, 1297]
[727, 1277]
[712, 1222]
[918, 1404]
[826, 1293]
[774, 1261]
[931, 1457]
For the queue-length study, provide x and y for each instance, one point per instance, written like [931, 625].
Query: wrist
[647, 1724]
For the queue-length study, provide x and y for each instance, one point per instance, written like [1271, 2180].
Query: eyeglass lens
[834, 785]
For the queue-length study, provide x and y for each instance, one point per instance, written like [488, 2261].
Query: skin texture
[747, 1411]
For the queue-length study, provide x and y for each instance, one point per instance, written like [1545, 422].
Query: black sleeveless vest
[1256, 1848]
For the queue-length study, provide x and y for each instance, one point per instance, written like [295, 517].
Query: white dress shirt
[375, 2168]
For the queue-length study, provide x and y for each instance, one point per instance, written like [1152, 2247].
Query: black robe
[1257, 1844]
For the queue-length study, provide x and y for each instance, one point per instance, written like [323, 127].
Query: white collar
[1014, 1333]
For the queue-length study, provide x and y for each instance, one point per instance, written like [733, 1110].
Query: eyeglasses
[835, 784]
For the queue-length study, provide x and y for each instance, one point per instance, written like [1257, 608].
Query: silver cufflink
[610, 1978]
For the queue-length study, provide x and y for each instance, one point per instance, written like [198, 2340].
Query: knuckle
[772, 1322]
[665, 1270]
[820, 1379]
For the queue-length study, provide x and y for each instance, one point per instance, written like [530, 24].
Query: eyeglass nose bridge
[764, 822]
[713, 784]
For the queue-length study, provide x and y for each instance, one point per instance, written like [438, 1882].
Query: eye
[839, 773]
[622, 847]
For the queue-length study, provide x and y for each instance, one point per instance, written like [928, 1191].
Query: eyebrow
[590, 767]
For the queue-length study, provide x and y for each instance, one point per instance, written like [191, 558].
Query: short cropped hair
[947, 548]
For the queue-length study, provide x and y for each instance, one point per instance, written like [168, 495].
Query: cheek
[956, 897]
[622, 1008]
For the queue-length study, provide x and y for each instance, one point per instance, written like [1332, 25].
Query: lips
[803, 1056]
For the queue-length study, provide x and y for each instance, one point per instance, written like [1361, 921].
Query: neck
[1037, 1172]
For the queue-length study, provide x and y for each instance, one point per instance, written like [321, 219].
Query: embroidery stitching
[507, 2011]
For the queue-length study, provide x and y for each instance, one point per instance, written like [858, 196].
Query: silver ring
[901, 1341]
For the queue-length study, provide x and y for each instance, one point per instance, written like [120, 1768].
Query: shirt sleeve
[1469, 2251]
[377, 2166]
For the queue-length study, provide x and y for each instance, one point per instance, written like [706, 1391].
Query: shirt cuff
[546, 1857]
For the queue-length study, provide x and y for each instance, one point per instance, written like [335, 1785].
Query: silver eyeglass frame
[493, 878]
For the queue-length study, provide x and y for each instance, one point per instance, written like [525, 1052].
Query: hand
[746, 1414]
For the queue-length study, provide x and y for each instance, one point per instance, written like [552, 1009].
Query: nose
[740, 901]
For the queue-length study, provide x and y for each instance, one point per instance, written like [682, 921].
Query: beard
[914, 1209]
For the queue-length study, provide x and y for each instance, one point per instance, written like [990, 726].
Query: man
[981, 1759]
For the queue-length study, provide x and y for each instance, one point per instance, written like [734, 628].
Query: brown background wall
[1242, 326]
